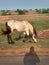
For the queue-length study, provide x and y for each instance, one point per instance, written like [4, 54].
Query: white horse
[20, 26]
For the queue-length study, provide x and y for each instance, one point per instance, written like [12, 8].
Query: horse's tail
[34, 31]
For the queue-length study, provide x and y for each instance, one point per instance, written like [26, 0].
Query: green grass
[42, 42]
[40, 25]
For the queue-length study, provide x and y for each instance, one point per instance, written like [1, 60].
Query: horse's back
[19, 25]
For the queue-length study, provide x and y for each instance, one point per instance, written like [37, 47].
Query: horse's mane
[6, 24]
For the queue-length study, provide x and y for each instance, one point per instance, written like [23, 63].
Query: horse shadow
[25, 38]
[17, 38]
[31, 58]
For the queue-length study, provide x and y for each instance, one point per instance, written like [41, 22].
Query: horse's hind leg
[35, 40]
[24, 36]
[28, 37]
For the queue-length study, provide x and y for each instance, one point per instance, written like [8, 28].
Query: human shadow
[31, 58]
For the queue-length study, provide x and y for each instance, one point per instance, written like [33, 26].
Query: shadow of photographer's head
[31, 50]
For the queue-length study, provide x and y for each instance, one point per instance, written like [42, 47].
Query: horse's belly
[20, 28]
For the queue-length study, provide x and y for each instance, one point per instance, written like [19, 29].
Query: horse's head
[3, 32]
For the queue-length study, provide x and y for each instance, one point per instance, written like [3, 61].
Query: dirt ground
[43, 33]
[14, 52]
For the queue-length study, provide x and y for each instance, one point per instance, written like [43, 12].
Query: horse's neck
[11, 24]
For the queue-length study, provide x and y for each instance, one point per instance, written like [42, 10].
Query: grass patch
[40, 25]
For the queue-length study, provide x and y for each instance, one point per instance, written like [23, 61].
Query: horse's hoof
[12, 42]
[9, 42]
[35, 42]
[23, 40]
[30, 41]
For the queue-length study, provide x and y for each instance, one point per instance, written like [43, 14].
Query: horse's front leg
[10, 41]
[8, 38]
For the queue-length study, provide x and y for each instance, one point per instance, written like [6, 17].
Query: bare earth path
[12, 52]
[43, 33]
